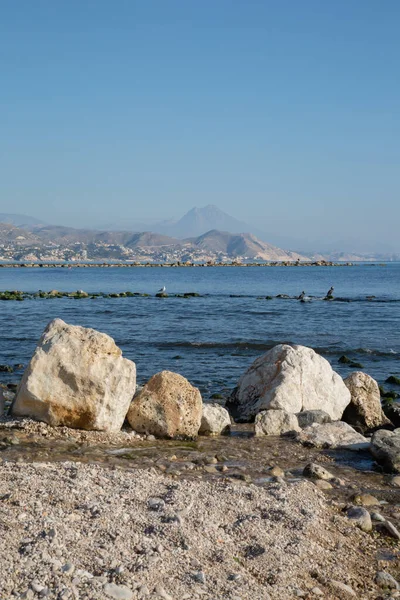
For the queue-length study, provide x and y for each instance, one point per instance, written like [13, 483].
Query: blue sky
[285, 114]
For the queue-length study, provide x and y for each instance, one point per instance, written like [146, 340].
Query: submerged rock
[215, 420]
[168, 406]
[77, 378]
[392, 411]
[291, 378]
[385, 448]
[332, 435]
[393, 380]
[275, 422]
[365, 410]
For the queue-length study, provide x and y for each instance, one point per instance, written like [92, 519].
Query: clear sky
[282, 113]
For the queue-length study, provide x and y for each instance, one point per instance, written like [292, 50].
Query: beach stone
[290, 378]
[322, 484]
[332, 435]
[76, 378]
[276, 472]
[361, 517]
[314, 471]
[392, 530]
[395, 481]
[385, 580]
[365, 500]
[118, 592]
[168, 406]
[365, 409]
[385, 448]
[275, 422]
[308, 417]
[215, 420]
[343, 589]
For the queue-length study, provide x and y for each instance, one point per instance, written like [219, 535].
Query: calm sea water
[211, 340]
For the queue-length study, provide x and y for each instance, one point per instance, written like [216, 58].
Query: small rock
[215, 420]
[395, 481]
[162, 593]
[68, 568]
[275, 422]
[361, 517]
[308, 417]
[156, 504]
[199, 577]
[365, 500]
[317, 591]
[314, 471]
[118, 592]
[277, 472]
[321, 484]
[343, 589]
[391, 529]
[385, 580]
[375, 516]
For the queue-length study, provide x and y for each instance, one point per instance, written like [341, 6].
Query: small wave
[223, 345]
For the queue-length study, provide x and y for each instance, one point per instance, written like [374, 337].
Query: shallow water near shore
[212, 339]
[239, 456]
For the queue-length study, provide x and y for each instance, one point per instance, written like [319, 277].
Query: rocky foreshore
[188, 504]
[82, 531]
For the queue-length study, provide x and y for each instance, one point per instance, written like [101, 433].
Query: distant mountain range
[20, 220]
[196, 223]
[211, 245]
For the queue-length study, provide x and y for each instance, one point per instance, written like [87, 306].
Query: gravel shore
[76, 531]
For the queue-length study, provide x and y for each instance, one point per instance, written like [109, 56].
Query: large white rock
[291, 378]
[275, 422]
[76, 378]
[168, 406]
[365, 409]
[215, 420]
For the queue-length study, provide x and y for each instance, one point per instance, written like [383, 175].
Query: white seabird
[163, 289]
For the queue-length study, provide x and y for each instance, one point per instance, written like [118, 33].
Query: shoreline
[82, 265]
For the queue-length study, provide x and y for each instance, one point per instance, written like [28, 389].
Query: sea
[214, 338]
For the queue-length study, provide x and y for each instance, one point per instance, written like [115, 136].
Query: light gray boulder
[275, 422]
[365, 409]
[77, 378]
[215, 420]
[167, 406]
[332, 435]
[385, 448]
[290, 378]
